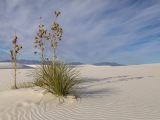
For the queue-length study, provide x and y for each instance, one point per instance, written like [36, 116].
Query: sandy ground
[109, 93]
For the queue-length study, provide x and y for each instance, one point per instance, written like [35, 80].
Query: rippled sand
[109, 93]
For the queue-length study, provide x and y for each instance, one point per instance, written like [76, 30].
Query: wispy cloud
[99, 30]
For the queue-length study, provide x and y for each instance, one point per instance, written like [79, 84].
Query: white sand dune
[8, 65]
[109, 93]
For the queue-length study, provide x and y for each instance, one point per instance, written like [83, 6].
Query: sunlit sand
[109, 93]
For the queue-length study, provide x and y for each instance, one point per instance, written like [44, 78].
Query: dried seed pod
[55, 12]
[47, 38]
[55, 44]
[45, 31]
[17, 49]
[51, 44]
[35, 41]
[40, 35]
[53, 35]
[42, 25]
[55, 28]
[40, 45]
[42, 32]
[53, 23]
[12, 58]
[59, 12]
[39, 30]
[20, 47]
[15, 37]
[59, 29]
[57, 25]
[13, 42]
[40, 40]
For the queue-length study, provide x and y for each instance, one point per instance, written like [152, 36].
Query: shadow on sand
[90, 87]
[92, 93]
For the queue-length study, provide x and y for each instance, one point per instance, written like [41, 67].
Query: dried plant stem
[13, 55]
[57, 34]
[41, 99]
[54, 50]
[54, 59]
[39, 41]
[42, 57]
[15, 72]
[54, 46]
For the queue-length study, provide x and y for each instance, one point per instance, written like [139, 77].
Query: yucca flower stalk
[13, 54]
[55, 36]
[39, 41]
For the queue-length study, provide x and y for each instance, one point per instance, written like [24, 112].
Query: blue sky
[123, 31]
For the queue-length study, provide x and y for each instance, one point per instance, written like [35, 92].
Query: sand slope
[109, 93]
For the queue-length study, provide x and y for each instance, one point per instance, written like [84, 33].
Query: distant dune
[33, 62]
[8, 65]
[107, 63]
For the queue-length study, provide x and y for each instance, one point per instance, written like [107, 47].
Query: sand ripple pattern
[127, 96]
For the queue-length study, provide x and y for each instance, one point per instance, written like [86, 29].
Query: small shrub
[58, 78]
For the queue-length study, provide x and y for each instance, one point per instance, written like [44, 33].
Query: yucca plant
[13, 54]
[58, 78]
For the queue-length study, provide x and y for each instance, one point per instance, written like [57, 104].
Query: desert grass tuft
[58, 78]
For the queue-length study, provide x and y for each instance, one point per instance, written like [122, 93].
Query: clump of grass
[58, 78]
